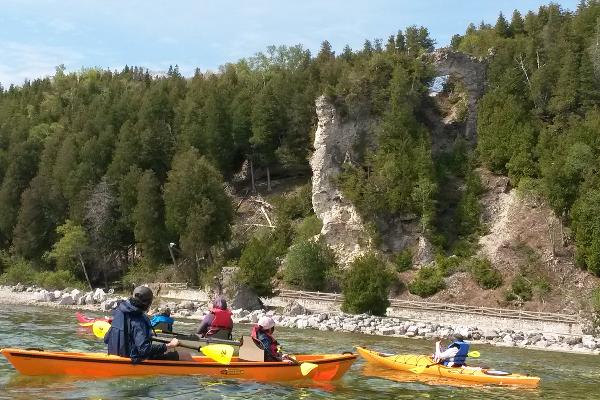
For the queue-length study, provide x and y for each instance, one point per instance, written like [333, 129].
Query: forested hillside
[102, 169]
[105, 168]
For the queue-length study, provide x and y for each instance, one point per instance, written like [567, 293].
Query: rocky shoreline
[297, 317]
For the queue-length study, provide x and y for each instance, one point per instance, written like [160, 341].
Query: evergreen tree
[517, 25]
[148, 218]
[501, 28]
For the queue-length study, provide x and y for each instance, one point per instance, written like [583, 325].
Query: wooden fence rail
[441, 307]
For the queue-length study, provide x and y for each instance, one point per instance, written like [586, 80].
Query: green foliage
[148, 217]
[307, 265]
[18, 270]
[296, 205]
[586, 226]
[521, 289]
[308, 228]
[57, 279]
[366, 285]
[403, 260]
[70, 247]
[484, 274]
[197, 207]
[258, 264]
[427, 282]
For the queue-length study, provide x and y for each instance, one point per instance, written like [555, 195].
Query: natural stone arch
[471, 71]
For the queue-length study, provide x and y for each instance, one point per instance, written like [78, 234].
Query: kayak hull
[405, 362]
[88, 322]
[99, 365]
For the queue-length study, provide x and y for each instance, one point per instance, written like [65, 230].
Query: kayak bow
[98, 365]
[408, 362]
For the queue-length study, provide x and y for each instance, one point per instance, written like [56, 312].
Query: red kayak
[89, 321]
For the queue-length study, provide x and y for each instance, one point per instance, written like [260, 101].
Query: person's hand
[173, 343]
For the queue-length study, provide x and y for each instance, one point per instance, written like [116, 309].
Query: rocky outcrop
[343, 228]
[471, 71]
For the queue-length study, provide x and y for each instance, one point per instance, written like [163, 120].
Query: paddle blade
[306, 367]
[220, 353]
[418, 370]
[100, 328]
[474, 354]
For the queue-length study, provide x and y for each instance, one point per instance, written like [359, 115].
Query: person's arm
[266, 345]
[205, 324]
[448, 353]
[144, 345]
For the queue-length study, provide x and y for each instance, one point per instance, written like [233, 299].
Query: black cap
[144, 295]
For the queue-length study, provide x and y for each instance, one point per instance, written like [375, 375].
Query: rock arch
[470, 70]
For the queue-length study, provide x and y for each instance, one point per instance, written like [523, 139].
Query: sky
[38, 35]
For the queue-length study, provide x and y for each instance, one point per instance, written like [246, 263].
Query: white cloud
[22, 61]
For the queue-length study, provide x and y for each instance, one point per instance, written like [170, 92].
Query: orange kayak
[100, 365]
[406, 362]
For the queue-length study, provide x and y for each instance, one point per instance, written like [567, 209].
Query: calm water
[564, 376]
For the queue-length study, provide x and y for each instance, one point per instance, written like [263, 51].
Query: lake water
[564, 376]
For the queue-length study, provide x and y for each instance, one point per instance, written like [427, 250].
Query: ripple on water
[564, 376]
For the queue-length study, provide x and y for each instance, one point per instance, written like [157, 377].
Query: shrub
[308, 228]
[18, 270]
[366, 285]
[258, 265]
[403, 260]
[139, 273]
[307, 264]
[294, 206]
[57, 279]
[520, 289]
[484, 274]
[428, 281]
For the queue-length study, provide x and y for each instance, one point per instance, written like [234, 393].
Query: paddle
[421, 369]
[220, 353]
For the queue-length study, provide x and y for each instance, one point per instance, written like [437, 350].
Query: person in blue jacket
[455, 354]
[130, 334]
[162, 320]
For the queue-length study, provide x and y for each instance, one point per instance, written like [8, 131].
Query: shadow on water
[564, 376]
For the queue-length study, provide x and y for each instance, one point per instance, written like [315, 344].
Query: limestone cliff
[343, 228]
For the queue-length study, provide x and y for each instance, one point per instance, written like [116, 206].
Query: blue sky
[38, 35]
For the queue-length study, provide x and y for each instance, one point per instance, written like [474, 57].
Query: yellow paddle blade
[100, 328]
[418, 370]
[220, 353]
[474, 354]
[306, 367]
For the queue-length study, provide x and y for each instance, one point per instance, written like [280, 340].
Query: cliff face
[343, 228]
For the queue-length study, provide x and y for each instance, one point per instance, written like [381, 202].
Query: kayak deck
[405, 362]
[35, 362]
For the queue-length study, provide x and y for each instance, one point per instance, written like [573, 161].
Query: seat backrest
[249, 351]
[162, 326]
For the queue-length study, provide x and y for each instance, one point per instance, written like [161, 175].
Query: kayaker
[262, 333]
[130, 333]
[162, 320]
[455, 354]
[217, 323]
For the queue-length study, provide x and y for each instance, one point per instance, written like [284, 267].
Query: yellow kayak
[406, 362]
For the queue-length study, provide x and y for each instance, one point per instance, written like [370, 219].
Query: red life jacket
[274, 345]
[222, 319]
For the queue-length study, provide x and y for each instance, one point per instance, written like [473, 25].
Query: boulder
[294, 308]
[88, 298]
[490, 334]
[412, 330]
[349, 326]
[76, 294]
[57, 294]
[386, 331]
[66, 300]
[242, 296]
[99, 296]
[588, 342]
[302, 324]
[186, 305]
[108, 305]
[43, 296]
[573, 340]
[18, 287]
